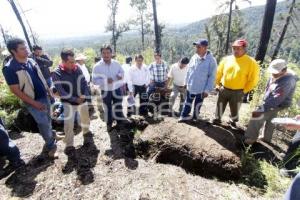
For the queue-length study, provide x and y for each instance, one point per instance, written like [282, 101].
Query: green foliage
[148, 56]
[7, 99]
[120, 58]
[262, 175]
[90, 53]
[276, 184]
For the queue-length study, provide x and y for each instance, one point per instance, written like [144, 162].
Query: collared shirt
[178, 74]
[158, 72]
[126, 68]
[13, 67]
[201, 74]
[138, 76]
[85, 72]
[238, 73]
[102, 71]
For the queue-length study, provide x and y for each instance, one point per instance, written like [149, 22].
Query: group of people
[30, 79]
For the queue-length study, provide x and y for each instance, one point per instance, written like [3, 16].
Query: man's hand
[256, 114]
[80, 100]
[39, 106]
[219, 88]
[55, 114]
[119, 77]
[110, 80]
[205, 94]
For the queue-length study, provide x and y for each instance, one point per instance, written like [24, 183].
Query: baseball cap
[276, 66]
[202, 42]
[240, 43]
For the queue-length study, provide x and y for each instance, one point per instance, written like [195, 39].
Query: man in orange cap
[236, 75]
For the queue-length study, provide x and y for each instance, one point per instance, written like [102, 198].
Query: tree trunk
[229, 27]
[281, 38]
[156, 28]
[3, 34]
[16, 11]
[266, 30]
[114, 39]
[143, 33]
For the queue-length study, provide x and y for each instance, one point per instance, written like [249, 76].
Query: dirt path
[102, 172]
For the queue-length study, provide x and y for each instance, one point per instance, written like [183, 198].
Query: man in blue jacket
[278, 96]
[200, 79]
[73, 91]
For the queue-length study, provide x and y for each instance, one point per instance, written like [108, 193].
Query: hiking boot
[58, 135]
[232, 124]
[52, 153]
[216, 122]
[70, 151]
[182, 120]
[12, 166]
[109, 127]
[87, 138]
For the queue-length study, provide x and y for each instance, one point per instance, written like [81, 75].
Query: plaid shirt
[158, 72]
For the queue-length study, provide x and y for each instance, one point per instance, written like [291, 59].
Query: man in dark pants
[10, 151]
[108, 75]
[138, 81]
[236, 75]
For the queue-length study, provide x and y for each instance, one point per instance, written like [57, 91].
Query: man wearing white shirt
[126, 67]
[138, 81]
[80, 60]
[108, 75]
[178, 73]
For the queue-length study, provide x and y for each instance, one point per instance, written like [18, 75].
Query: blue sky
[61, 18]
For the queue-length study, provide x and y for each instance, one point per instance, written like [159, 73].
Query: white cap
[276, 66]
[80, 57]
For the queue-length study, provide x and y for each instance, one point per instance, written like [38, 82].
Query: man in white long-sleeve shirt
[138, 81]
[108, 75]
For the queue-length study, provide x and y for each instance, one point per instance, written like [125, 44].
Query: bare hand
[119, 77]
[205, 94]
[55, 114]
[39, 106]
[256, 114]
[80, 100]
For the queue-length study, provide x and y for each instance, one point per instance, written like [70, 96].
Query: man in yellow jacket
[236, 75]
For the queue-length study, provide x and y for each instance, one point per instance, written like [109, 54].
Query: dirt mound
[201, 149]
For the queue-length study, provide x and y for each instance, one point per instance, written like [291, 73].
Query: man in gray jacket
[278, 96]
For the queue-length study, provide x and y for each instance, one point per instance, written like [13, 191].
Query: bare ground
[101, 171]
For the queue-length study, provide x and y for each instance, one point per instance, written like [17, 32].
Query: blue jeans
[188, 104]
[112, 102]
[7, 146]
[293, 193]
[43, 120]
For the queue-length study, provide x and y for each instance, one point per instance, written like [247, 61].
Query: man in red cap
[236, 75]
